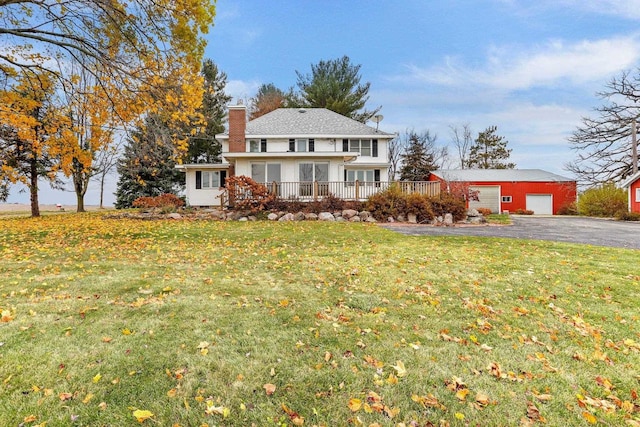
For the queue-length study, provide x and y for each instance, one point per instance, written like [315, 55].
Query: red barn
[509, 190]
[633, 185]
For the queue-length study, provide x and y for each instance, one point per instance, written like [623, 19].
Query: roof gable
[499, 175]
[309, 122]
[630, 180]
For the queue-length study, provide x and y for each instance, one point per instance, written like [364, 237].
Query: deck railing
[357, 190]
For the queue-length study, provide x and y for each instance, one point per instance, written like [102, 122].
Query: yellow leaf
[589, 417]
[30, 419]
[459, 416]
[355, 404]
[87, 398]
[171, 393]
[141, 416]
[126, 331]
[400, 369]
[462, 394]
[96, 378]
[102, 406]
[65, 396]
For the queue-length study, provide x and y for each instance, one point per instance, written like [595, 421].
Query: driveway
[591, 231]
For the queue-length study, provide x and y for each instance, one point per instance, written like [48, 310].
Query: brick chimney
[237, 127]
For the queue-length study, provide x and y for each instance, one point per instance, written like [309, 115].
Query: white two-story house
[299, 153]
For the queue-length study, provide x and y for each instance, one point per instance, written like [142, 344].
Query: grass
[197, 322]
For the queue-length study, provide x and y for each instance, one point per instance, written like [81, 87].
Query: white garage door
[489, 196]
[540, 204]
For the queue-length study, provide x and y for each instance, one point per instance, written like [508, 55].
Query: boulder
[298, 216]
[473, 213]
[287, 217]
[412, 218]
[340, 219]
[390, 219]
[252, 218]
[311, 216]
[174, 215]
[326, 216]
[364, 215]
[477, 220]
[372, 219]
[355, 218]
[401, 218]
[349, 213]
[243, 219]
[272, 216]
[448, 219]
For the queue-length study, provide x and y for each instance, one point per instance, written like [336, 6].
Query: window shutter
[198, 180]
[223, 178]
[345, 175]
[376, 175]
[345, 145]
[312, 144]
[292, 144]
[263, 145]
[374, 148]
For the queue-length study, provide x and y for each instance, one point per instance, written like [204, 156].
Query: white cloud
[513, 68]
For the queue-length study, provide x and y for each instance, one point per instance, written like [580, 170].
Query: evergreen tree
[203, 147]
[419, 157]
[489, 151]
[335, 85]
[146, 167]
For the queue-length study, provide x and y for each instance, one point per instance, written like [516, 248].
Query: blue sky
[531, 68]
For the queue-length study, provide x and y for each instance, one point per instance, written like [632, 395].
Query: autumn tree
[335, 85]
[489, 151]
[146, 167]
[420, 156]
[462, 140]
[146, 53]
[268, 98]
[605, 144]
[35, 135]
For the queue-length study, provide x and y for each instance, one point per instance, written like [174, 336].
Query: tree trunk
[80, 202]
[33, 189]
[102, 191]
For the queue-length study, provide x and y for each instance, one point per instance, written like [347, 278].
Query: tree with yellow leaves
[35, 135]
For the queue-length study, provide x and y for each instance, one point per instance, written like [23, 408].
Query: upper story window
[257, 145]
[366, 147]
[302, 145]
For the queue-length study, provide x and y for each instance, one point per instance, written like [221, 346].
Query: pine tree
[419, 158]
[203, 147]
[146, 167]
[489, 150]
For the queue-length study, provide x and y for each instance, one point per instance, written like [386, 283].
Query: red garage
[510, 190]
[632, 184]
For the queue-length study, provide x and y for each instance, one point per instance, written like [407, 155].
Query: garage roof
[500, 175]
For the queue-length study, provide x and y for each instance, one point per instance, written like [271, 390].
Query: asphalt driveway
[591, 231]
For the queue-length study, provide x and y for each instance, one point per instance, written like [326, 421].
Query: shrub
[484, 211]
[164, 201]
[384, 204]
[420, 206]
[628, 216]
[449, 203]
[246, 194]
[604, 201]
[524, 212]
[568, 209]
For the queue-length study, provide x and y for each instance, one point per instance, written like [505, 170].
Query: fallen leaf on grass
[354, 404]
[400, 369]
[141, 416]
[269, 388]
[65, 396]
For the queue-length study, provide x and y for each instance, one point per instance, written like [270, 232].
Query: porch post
[357, 190]
[315, 190]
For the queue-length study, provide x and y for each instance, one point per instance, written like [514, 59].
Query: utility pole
[634, 148]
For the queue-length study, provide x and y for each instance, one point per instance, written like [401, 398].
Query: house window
[364, 177]
[506, 199]
[210, 179]
[257, 146]
[366, 147]
[637, 194]
[265, 172]
[302, 145]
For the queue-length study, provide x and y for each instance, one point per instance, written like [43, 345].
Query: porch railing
[357, 190]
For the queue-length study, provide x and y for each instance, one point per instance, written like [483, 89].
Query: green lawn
[193, 323]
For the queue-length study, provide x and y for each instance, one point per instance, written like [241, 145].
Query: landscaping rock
[372, 219]
[252, 218]
[473, 213]
[448, 219]
[326, 216]
[243, 219]
[401, 218]
[174, 215]
[340, 219]
[412, 219]
[287, 217]
[364, 215]
[272, 216]
[477, 220]
[311, 216]
[390, 219]
[298, 216]
[355, 218]
[349, 213]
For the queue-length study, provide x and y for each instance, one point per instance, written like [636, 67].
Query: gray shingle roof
[309, 122]
[500, 175]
